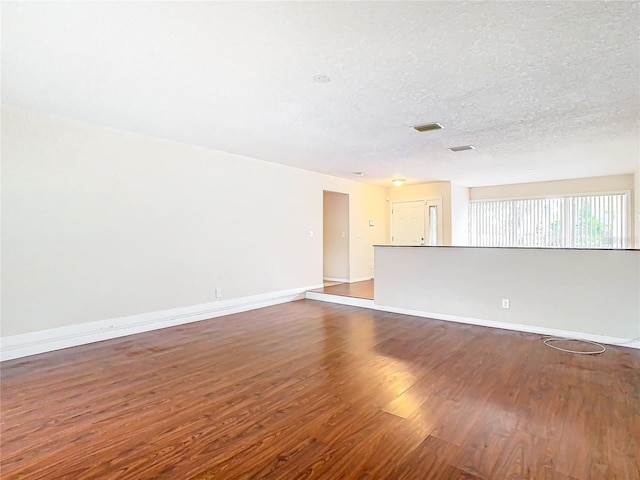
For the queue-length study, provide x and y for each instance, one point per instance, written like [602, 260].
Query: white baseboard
[364, 303]
[361, 279]
[342, 300]
[347, 280]
[32, 343]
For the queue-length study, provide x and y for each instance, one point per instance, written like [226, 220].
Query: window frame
[627, 239]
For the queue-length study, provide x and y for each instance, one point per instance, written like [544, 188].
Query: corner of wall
[635, 205]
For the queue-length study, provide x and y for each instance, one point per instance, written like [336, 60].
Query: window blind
[587, 221]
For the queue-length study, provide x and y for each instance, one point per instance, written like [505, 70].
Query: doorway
[335, 237]
[417, 222]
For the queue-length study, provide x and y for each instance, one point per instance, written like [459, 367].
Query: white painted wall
[365, 204]
[98, 224]
[611, 183]
[459, 214]
[588, 291]
[636, 203]
[336, 236]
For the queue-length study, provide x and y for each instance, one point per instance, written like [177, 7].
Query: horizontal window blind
[589, 221]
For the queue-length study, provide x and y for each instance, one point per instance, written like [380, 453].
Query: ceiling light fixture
[462, 148]
[359, 174]
[427, 127]
[321, 79]
[398, 182]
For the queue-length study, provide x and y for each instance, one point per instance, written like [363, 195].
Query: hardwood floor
[317, 390]
[362, 289]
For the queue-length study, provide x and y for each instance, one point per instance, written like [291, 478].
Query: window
[587, 221]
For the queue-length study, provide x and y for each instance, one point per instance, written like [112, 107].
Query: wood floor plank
[454, 473]
[363, 289]
[323, 391]
[523, 456]
[430, 460]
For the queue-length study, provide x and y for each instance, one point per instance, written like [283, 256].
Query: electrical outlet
[218, 292]
[505, 303]
[310, 233]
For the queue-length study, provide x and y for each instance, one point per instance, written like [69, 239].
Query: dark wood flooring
[362, 289]
[317, 390]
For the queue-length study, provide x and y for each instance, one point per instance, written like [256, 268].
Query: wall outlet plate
[505, 303]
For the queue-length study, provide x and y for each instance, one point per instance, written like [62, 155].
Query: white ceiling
[544, 90]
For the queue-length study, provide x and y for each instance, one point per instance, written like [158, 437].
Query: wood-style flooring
[316, 390]
[362, 289]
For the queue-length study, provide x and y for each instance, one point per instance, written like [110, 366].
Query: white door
[408, 223]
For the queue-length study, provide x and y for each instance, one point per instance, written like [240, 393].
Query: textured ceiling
[544, 90]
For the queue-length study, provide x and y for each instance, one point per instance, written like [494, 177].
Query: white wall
[636, 196]
[459, 214]
[336, 236]
[611, 183]
[98, 224]
[586, 291]
[365, 204]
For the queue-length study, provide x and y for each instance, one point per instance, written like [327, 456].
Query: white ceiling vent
[462, 148]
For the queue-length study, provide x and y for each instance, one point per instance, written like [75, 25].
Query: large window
[587, 221]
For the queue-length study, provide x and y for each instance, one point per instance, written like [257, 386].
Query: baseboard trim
[347, 280]
[361, 279]
[32, 343]
[342, 300]
[364, 303]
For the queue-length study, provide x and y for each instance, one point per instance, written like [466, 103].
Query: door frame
[347, 236]
[435, 201]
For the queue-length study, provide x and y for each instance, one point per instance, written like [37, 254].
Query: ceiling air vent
[462, 148]
[428, 127]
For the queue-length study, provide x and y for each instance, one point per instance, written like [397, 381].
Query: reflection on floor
[356, 289]
[308, 389]
[327, 283]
